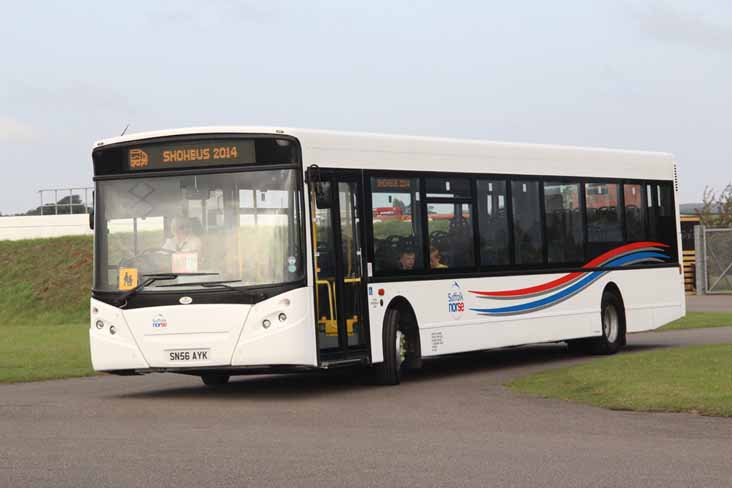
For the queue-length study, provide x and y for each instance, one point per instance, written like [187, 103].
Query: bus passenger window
[396, 224]
[563, 221]
[635, 213]
[661, 214]
[495, 247]
[450, 227]
[526, 222]
[604, 224]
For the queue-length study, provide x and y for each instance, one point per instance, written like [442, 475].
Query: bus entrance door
[337, 227]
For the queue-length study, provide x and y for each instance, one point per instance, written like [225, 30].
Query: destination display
[392, 183]
[223, 152]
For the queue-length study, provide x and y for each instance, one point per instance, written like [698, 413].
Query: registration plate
[188, 355]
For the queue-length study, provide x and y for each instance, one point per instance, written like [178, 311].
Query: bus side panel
[652, 297]
[377, 307]
[454, 317]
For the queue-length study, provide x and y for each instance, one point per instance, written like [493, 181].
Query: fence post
[700, 259]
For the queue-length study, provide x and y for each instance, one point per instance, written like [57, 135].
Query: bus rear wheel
[395, 349]
[612, 315]
[215, 379]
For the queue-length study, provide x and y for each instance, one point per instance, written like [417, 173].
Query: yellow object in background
[127, 278]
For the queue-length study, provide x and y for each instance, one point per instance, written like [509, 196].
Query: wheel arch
[613, 287]
[406, 311]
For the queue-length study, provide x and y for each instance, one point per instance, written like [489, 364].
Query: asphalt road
[452, 424]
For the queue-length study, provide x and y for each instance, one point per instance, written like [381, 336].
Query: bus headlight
[112, 329]
[266, 323]
[99, 324]
[282, 317]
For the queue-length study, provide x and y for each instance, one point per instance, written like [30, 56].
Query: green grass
[45, 281]
[40, 352]
[691, 379]
[699, 320]
[44, 308]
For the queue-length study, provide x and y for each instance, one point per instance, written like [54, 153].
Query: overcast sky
[653, 75]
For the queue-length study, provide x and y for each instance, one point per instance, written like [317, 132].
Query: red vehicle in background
[388, 213]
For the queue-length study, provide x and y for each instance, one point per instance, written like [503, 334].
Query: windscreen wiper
[151, 278]
[255, 295]
[205, 284]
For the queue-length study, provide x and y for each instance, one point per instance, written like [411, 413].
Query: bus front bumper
[186, 338]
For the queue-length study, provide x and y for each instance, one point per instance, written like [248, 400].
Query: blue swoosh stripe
[574, 288]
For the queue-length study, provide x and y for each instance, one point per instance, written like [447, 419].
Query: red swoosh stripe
[598, 261]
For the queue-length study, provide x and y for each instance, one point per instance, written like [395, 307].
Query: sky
[649, 75]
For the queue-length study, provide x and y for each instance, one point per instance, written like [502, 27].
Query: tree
[716, 210]
[70, 204]
[400, 205]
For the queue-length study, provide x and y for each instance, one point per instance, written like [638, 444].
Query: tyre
[612, 315]
[214, 379]
[395, 348]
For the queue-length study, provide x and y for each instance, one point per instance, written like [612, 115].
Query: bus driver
[183, 240]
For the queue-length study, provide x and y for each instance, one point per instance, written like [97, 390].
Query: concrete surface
[709, 303]
[38, 226]
[452, 424]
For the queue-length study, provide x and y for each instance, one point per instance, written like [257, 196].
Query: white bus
[232, 250]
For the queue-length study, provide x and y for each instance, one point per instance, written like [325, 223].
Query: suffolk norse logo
[138, 159]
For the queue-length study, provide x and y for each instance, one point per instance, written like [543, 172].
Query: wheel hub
[401, 347]
[610, 326]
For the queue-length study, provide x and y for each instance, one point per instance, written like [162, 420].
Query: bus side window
[661, 214]
[604, 224]
[635, 212]
[450, 227]
[450, 222]
[396, 224]
[495, 246]
[563, 223]
[526, 222]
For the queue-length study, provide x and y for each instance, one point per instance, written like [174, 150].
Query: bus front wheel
[214, 379]
[395, 350]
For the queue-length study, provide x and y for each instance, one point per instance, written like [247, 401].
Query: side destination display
[223, 152]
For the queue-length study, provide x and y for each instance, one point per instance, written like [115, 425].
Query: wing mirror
[320, 189]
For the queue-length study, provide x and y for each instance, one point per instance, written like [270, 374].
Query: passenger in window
[407, 258]
[435, 258]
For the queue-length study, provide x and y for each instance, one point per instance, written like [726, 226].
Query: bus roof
[388, 151]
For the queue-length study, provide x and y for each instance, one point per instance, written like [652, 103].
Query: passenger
[407, 259]
[183, 240]
[435, 258]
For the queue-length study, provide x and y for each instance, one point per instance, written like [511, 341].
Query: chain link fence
[714, 260]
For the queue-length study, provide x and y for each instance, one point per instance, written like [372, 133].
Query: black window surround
[480, 269]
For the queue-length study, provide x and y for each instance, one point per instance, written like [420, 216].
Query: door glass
[325, 271]
[352, 306]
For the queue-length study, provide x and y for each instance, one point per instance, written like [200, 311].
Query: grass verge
[691, 379]
[45, 281]
[699, 320]
[44, 308]
[42, 352]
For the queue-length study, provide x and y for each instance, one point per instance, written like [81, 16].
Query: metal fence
[714, 260]
[66, 200]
